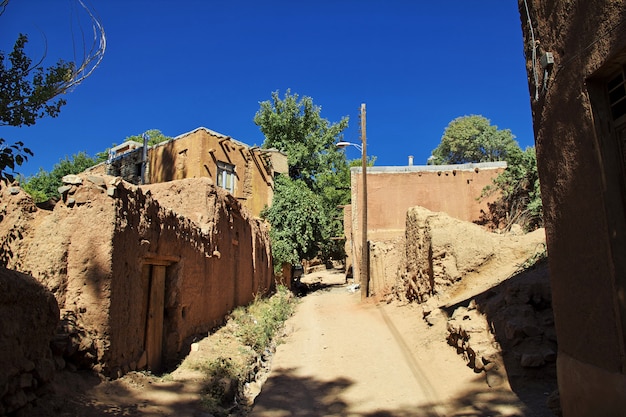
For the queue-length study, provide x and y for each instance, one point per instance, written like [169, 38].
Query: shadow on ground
[319, 281]
[112, 398]
[287, 394]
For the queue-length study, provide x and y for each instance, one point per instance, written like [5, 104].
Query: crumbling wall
[506, 332]
[98, 250]
[68, 250]
[441, 250]
[453, 189]
[217, 258]
[384, 262]
[491, 292]
[28, 317]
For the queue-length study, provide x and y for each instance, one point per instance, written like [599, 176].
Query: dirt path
[340, 357]
[347, 358]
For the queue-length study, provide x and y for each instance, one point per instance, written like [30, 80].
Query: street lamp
[364, 272]
[346, 144]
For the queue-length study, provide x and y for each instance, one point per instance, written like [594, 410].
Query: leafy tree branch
[305, 214]
[473, 139]
[29, 92]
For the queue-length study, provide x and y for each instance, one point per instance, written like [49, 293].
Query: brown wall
[582, 186]
[101, 247]
[210, 269]
[391, 191]
[29, 315]
[196, 154]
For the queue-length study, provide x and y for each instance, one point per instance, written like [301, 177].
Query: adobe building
[140, 271]
[245, 172]
[576, 66]
[391, 191]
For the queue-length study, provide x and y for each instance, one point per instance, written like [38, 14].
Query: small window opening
[226, 176]
[617, 96]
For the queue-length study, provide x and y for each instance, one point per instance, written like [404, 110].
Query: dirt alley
[343, 357]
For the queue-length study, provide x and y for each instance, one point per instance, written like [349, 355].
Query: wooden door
[154, 322]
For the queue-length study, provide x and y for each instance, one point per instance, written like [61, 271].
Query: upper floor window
[617, 96]
[226, 176]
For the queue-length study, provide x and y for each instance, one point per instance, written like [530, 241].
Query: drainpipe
[144, 158]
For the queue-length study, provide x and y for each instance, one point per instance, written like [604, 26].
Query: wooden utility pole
[365, 276]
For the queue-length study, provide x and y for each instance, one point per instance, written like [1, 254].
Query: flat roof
[432, 168]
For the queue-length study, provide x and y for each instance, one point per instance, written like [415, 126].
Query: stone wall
[127, 166]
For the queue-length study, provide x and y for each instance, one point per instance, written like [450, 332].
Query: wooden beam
[152, 258]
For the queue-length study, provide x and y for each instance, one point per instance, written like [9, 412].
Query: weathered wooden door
[154, 321]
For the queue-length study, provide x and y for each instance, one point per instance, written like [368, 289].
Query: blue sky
[176, 66]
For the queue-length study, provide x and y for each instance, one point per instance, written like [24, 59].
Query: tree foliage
[305, 212]
[26, 94]
[297, 221]
[11, 156]
[296, 128]
[473, 139]
[44, 185]
[519, 198]
[28, 91]
[155, 136]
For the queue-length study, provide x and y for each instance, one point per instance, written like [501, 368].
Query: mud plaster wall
[28, 317]
[391, 191]
[212, 270]
[68, 253]
[233, 266]
[93, 256]
[582, 195]
[195, 155]
[440, 251]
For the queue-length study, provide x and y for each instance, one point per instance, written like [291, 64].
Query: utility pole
[365, 276]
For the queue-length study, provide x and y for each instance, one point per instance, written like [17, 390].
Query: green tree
[297, 128]
[44, 186]
[154, 136]
[298, 222]
[473, 139]
[305, 211]
[519, 192]
[28, 92]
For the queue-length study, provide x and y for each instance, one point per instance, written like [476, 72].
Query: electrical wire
[534, 54]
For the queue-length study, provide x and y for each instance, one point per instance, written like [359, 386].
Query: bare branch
[92, 58]
[3, 6]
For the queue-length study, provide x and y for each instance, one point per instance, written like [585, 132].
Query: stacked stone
[76, 192]
[514, 318]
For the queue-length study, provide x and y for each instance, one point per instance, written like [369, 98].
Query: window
[617, 96]
[616, 91]
[226, 176]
